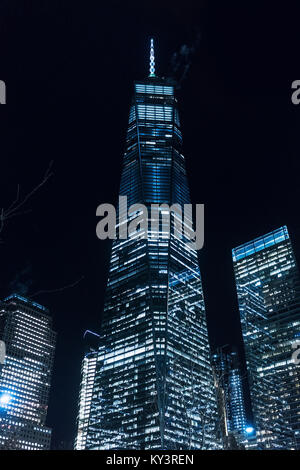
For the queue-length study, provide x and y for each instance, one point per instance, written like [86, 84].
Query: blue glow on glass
[27, 301]
[249, 429]
[5, 399]
[273, 238]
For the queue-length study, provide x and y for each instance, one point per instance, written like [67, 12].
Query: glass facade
[26, 329]
[153, 382]
[88, 368]
[237, 414]
[232, 412]
[268, 289]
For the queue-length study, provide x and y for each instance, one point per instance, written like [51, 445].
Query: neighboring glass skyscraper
[153, 383]
[268, 288]
[26, 329]
[88, 368]
[231, 396]
[87, 377]
[237, 414]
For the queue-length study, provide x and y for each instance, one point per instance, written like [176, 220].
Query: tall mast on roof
[152, 59]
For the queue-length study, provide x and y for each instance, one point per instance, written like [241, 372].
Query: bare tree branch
[58, 289]
[15, 208]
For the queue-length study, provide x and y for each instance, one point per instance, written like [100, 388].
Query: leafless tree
[18, 205]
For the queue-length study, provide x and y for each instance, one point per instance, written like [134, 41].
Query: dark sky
[69, 67]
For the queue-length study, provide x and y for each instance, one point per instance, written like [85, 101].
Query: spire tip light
[152, 59]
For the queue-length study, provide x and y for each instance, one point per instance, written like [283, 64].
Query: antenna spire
[152, 59]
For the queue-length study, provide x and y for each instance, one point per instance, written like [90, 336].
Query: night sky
[69, 68]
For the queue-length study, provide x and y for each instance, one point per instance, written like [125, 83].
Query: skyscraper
[268, 289]
[87, 377]
[153, 382]
[88, 368]
[231, 396]
[26, 329]
[237, 414]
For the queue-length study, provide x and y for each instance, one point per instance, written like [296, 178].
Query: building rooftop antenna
[152, 59]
